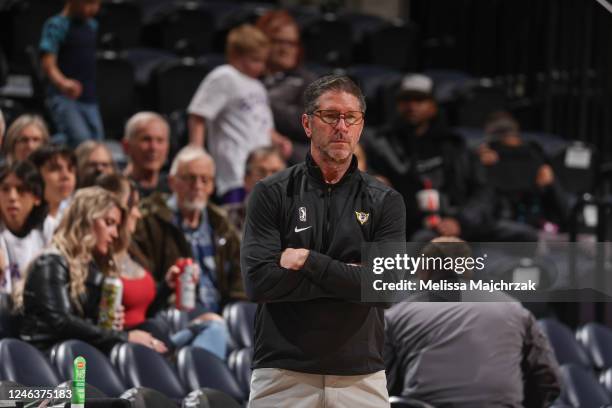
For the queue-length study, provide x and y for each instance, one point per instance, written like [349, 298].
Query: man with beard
[146, 143]
[185, 225]
[441, 181]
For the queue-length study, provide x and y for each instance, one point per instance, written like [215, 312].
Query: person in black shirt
[442, 182]
[316, 340]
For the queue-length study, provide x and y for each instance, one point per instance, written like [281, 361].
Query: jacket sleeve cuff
[316, 264]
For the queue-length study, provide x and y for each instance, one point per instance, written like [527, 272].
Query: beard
[338, 156]
[194, 205]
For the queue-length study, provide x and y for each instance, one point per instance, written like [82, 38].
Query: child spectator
[25, 135]
[56, 165]
[68, 48]
[23, 210]
[231, 106]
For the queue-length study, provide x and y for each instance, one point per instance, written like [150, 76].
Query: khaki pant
[277, 388]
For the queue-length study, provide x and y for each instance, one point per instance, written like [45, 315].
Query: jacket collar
[314, 171]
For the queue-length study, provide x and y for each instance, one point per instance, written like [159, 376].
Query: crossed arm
[274, 274]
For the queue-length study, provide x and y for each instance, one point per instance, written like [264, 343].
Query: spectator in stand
[93, 159]
[22, 210]
[442, 182]
[26, 134]
[63, 286]
[68, 59]
[231, 111]
[140, 289]
[146, 142]
[540, 202]
[285, 77]
[57, 165]
[186, 225]
[436, 350]
[261, 163]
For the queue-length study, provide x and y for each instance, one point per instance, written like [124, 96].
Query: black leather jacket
[50, 316]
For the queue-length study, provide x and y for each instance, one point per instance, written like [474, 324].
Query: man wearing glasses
[186, 225]
[317, 343]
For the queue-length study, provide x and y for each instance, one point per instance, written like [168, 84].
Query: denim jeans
[211, 335]
[76, 121]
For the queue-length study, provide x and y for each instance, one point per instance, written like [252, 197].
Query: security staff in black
[317, 343]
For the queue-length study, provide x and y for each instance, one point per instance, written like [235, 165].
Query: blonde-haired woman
[26, 134]
[61, 295]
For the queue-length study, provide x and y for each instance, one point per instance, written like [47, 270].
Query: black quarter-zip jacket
[313, 320]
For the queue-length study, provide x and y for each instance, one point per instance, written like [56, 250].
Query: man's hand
[545, 176]
[71, 88]
[294, 258]
[488, 156]
[449, 227]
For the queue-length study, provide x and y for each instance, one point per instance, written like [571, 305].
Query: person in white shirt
[232, 112]
[23, 210]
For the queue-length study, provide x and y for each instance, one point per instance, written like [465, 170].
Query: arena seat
[240, 319]
[597, 341]
[566, 347]
[141, 366]
[198, 368]
[119, 24]
[116, 92]
[25, 364]
[100, 372]
[239, 362]
[581, 389]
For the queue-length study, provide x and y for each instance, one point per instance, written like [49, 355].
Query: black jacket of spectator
[440, 155]
[49, 315]
[315, 320]
[531, 204]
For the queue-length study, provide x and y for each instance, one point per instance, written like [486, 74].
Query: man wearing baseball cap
[441, 181]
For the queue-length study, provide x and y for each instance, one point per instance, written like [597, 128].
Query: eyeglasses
[332, 117]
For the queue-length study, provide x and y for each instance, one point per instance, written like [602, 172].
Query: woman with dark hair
[62, 290]
[285, 77]
[57, 167]
[23, 210]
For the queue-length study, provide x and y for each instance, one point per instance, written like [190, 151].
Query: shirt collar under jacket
[314, 171]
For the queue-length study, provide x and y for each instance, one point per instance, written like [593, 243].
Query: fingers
[171, 275]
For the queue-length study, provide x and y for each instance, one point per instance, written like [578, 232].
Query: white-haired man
[146, 142]
[185, 225]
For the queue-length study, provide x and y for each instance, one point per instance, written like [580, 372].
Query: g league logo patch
[302, 213]
[362, 217]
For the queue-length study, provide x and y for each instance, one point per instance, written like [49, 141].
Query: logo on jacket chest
[362, 217]
[302, 214]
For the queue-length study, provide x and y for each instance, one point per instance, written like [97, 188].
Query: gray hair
[14, 131]
[138, 120]
[335, 83]
[188, 154]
